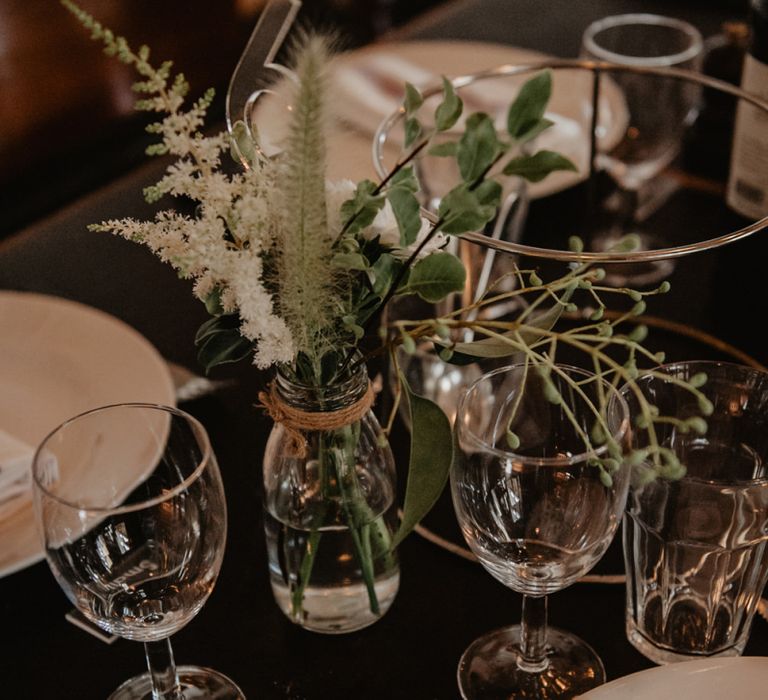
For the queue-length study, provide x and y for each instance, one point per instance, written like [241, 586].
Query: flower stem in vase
[342, 561]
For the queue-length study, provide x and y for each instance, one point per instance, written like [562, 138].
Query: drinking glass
[130, 508]
[695, 547]
[659, 110]
[538, 517]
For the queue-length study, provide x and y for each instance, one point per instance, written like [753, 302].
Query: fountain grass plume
[308, 293]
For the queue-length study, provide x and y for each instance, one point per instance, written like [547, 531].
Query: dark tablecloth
[444, 601]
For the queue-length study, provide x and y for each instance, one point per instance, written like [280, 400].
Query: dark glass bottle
[708, 142]
[748, 179]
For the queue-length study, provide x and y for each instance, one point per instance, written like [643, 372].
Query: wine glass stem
[533, 635]
[162, 669]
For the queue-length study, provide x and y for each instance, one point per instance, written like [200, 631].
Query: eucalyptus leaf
[383, 272]
[413, 99]
[223, 347]
[435, 276]
[407, 213]
[536, 167]
[529, 105]
[349, 261]
[542, 125]
[478, 147]
[412, 131]
[449, 110]
[430, 460]
[361, 210]
[405, 178]
[448, 149]
[466, 209]
[488, 193]
[496, 348]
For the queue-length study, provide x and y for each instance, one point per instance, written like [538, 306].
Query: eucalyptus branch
[401, 163]
[392, 289]
[540, 346]
[622, 376]
[397, 168]
[543, 360]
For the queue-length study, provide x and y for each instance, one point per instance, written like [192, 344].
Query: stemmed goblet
[659, 109]
[537, 515]
[130, 507]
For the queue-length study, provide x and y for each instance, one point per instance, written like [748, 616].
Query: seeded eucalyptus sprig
[484, 158]
[534, 336]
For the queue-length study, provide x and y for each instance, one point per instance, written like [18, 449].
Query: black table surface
[444, 601]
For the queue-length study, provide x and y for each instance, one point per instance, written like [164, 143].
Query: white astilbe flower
[204, 286]
[252, 222]
[263, 244]
[197, 248]
[259, 323]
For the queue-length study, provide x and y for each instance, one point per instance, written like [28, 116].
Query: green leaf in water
[430, 460]
[242, 146]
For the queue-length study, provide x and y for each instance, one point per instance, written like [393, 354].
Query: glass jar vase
[329, 505]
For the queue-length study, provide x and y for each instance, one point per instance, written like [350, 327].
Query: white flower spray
[222, 247]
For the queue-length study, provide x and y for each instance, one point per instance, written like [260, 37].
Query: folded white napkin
[368, 86]
[15, 474]
[372, 87]
[368, 89]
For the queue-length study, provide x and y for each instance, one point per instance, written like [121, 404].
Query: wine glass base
[488, 669]
[195, 681]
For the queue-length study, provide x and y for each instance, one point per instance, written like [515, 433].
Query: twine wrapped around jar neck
[296, 421]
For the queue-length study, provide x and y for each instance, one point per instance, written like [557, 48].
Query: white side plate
[745, 678]
[59, 358]
[367, 86]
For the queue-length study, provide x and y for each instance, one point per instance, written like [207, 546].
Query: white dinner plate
[59, 358]
[367, 86]
[742, 678]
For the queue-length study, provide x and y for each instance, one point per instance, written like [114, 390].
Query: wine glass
[538, 516]
[659, 110]
[130, 508]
